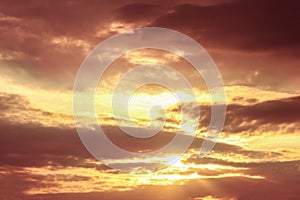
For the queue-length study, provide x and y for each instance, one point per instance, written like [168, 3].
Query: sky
[255, 45]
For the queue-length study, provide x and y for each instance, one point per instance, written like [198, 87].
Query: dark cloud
[21, 129]
[28, 41]
[247, 25]
[28, 30]
[138, 12]
[27, 142]
[54, 143]
[29, 145]
[233, 151]
[129, 143]
[59, 17]
[249, 118]
[278, 171]
[31, 139]
[274, 113]
[15, 181]
[243, 37]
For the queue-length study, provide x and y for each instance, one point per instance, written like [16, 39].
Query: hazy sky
[256, 46]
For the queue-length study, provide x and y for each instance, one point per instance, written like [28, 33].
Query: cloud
[256, 118]
[268, 115]
[137, 12]
[28, 40]
[276, 111]
[62, 146]
[254, 43]
[236, 34]
[15, 181]
[231, 187]
[247, 25]
[43, 43]
[17, 109]
[60, 149]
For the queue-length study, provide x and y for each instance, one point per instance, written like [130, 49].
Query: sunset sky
[254, 43]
